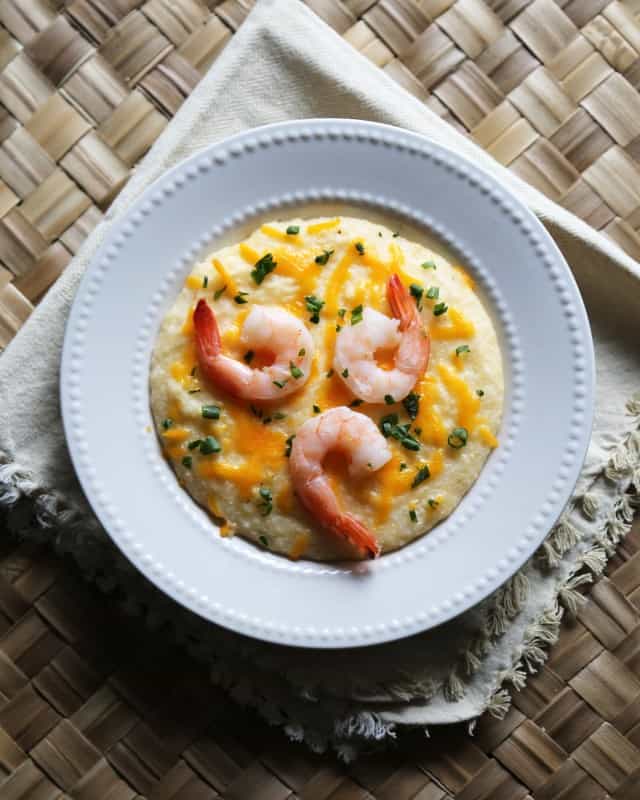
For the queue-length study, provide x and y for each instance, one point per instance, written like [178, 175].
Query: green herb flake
[266, 501]
[288, 444]
[323, 257]
[167, 423]
[480, 392]
[412, 515]
[396, 234]
[314, 304]
[279, 415]
[219, 292]
[187, 462]
[248, 356]
[380, 233]
[205, 281]
[402, 466]
[422, 474]
[211, 412]
[439, 309]
[433, 293]
[458, 438]
[389, 399]
[360, 248]
[338, 328]
[411, 404]
[416, 292]
[209, 445]
[296, 372]
[432, 503]
[279, 384]
[241, 298]
[293, 230]
[345, 373]
[263, 267]
[316, 409]
[409, 443]
[464, 348]
[330, 373]
[356, 314]
[428, 265]
[302, 352]
[387, 424]
[263, 540]
[342, 312]
[355, 403]
[194, 391]
[193, 444]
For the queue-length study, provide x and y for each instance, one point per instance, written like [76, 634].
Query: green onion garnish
[240, 298]
[428, 265]
[316, 409]
[205, 281]
[458, 438]
[345, 373]
[432, 503]
[296, 372]
[389, 399]
[209, 445]
[193, 444]
[248, 356]
[263, 267]
[440, 308]
[314, 304]
[356, 315]
[422, 475]
[416, 292]
[187, 461]
[211, 412]
[360, 248]
[263, 540]
[433, 292]
[266, 505]
[355, 403]
[480, 392]
[412, 515]
[323, 257]
[288, 443]
[411, 404]
[464, 348]
[167, 423]
[292, 230]
[219, 292]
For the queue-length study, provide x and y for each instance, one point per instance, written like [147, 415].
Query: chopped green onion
[432, 503]
[342, 312]
[421, 476]
[396, 234]
[314, 304]
[279, 415]
[263, 540]
[263, 267]
[316, 409]
[409, 443]
[403, 466]
[301, 352]
[428, 265]
[356, 315]
[257, 412]
[345, 373]
[167, 423]
[187, 461]
[387, 423]
[338, 328]
[205, 281]
[440, 308]
[360, 248]
[464, 348]
[416, 292]
[296, 372]
[458, 438]
[389, 399]
[219, 292]
[412, 515]
[193, 444]
[266, 506]
[194, 391]
[411, 404]
[241, 298]
[433, 292]
[292, 230]
[355, 403]
[209, 445]
[330, 373]
[248, 356]
[323, 257]
[211, 412]
[288, 443]
[279, 384]
[480, 392]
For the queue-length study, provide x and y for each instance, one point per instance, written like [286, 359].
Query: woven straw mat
[90, 706]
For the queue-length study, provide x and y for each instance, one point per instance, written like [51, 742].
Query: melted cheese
[486, 437]
[193, 282]
[457, 326]
[248, 253]
[300, 546]
[318, 227]
[467, 401]
[176, 434]
[226, 279]
[187, 327]
[433, 429]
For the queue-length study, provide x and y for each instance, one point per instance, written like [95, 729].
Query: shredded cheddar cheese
[318, 227]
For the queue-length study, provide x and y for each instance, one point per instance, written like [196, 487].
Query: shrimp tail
[207, 332]
[355, 532]
[402, 304]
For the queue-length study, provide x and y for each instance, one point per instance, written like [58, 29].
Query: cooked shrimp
[356, 345]
[357, 437]
[272, 332]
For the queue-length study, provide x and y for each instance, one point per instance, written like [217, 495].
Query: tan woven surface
[89, 706]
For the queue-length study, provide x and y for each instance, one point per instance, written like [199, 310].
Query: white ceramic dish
[229, 187]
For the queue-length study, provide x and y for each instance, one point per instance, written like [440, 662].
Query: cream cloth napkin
[285, 63]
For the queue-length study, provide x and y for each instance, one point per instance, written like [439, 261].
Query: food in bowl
[327, 388]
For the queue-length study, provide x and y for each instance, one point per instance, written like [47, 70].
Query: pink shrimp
[265, 329]
[358, 438]
[356, 345]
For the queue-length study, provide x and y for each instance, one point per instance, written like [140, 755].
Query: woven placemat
[90, 706]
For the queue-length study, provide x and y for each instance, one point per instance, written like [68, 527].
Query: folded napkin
[273, 71]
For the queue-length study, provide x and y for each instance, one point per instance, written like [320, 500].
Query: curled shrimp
[270, 331]
[354, 358]
[358, 438]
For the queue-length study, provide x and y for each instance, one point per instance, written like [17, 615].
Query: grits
[231, 455]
